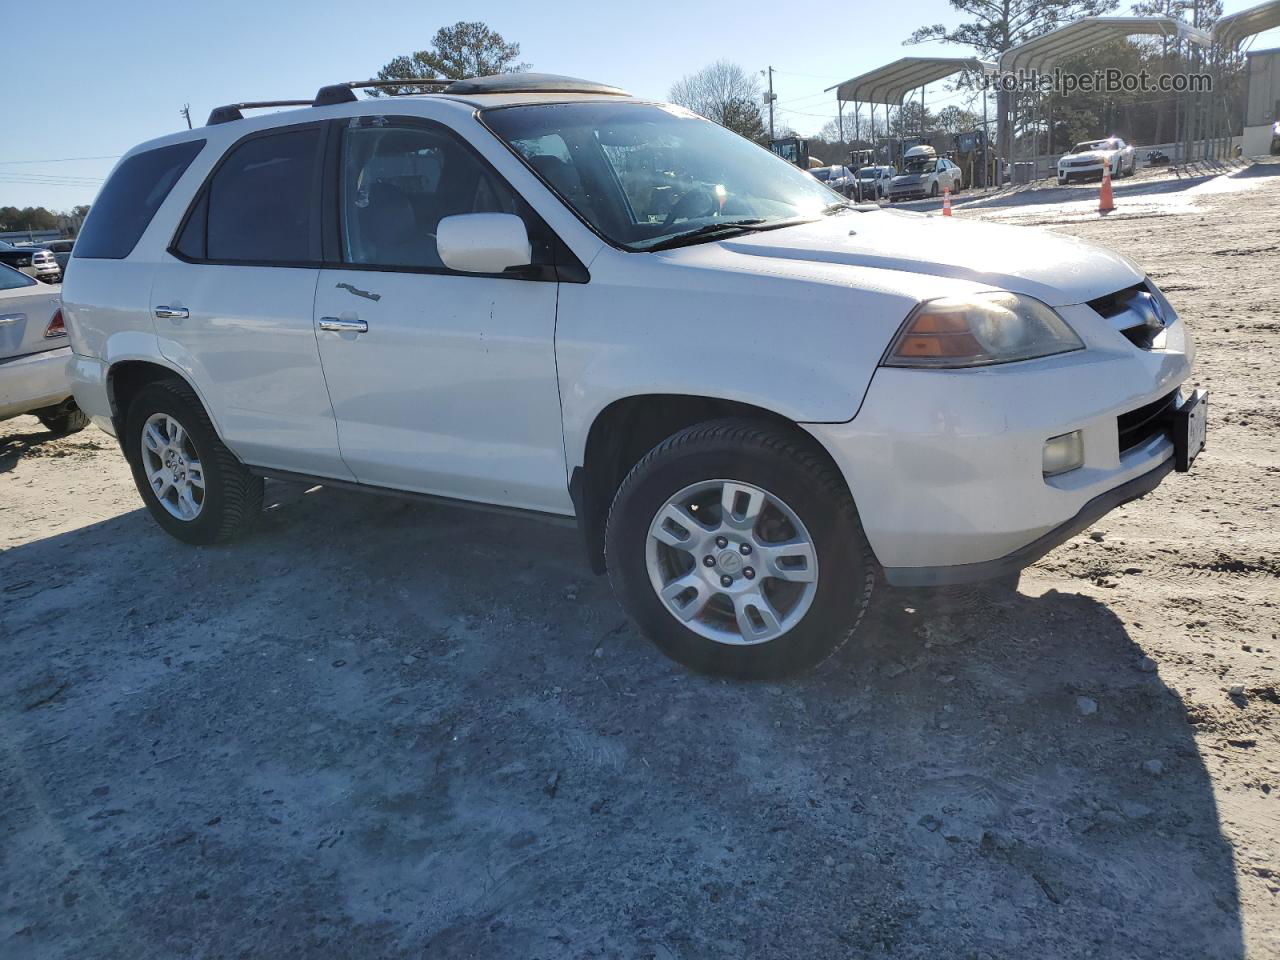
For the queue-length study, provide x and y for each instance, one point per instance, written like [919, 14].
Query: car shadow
[378, 727]
[14, 445]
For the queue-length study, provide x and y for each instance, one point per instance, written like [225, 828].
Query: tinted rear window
[131, 198]
[262, 198]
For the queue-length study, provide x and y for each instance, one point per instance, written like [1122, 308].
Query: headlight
[996, 327]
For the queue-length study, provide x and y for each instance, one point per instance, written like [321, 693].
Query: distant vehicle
[793, 150]
[1157, 158]
[33, 261]
[33, 354]
[838, 178]
[1090, 157]
[61, 250]
[873, 182]
[924, 174]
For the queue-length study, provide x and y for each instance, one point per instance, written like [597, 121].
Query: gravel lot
[384, 729]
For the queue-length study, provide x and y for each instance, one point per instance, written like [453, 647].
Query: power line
[811, 96]
[36, 178]
[59, 160]
[812, 76]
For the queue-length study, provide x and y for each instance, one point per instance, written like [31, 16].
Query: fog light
[1063, 453]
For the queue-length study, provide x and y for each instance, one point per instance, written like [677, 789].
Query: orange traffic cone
[946, 201]
[1106, 202]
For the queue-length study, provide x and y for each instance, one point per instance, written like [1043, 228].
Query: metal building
[1262, 100]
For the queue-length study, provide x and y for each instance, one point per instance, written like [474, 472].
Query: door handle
[11, 318]
[172, 313]
[336, 325]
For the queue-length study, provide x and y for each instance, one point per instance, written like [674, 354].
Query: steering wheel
[687, 206]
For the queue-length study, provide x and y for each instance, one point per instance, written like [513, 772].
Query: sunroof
[530, 83]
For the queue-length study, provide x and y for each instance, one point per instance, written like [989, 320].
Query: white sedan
[34, 354]
[1089, 158]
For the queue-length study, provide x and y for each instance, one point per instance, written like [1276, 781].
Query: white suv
[543, 294]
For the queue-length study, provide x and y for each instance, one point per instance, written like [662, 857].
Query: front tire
[736, 547]
[194, 487]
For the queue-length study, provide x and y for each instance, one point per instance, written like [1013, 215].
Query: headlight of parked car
[996, 327]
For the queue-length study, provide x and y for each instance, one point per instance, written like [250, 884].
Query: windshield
[1092, 145]
[921, 164]
[869, 172]
[642, 173]
[822, 173]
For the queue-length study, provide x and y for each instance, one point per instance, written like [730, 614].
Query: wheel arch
[628, 428]
[126, 377]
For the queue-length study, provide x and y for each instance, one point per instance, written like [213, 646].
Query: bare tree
[725, 93]
[955, 119]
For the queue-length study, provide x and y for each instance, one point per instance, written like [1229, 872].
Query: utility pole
[772, 98]
[186, 112]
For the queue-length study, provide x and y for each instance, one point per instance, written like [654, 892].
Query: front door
[442, 382]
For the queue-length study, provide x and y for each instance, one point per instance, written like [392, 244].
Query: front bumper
[33, 381]
[945, 465]
[1092, 170]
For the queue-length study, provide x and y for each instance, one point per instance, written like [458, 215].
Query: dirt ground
[383, 729]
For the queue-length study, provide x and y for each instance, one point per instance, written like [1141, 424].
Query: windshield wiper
[706, 232]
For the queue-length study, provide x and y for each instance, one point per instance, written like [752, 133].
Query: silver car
[34, 351]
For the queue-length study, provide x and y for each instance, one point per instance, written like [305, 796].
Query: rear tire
[69, 419]
[228, 499]
[810, 607]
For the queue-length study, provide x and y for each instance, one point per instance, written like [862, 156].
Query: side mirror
[483, 242]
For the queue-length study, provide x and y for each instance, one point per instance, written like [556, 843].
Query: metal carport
[1047, 50]
[890, 84]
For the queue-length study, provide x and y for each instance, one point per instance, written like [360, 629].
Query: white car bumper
[33, 381]
[946, 466]
[1093, 169]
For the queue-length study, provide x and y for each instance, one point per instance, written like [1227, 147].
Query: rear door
[233, 302]
[26, 307]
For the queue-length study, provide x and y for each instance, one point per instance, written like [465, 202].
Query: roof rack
[345, 92]
[231, 111]
[499, 83]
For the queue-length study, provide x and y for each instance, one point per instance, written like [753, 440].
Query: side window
[399, 180]
[262, 202]
[131, 198]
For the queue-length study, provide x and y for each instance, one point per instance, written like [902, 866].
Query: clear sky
[98, 76]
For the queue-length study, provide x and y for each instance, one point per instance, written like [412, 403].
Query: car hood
[1091, 155]
[1052, 268]
[910, 177]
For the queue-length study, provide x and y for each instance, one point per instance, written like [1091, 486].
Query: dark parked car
[33, 261]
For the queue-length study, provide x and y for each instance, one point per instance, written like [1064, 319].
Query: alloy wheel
[172, 465]
[732, 562]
